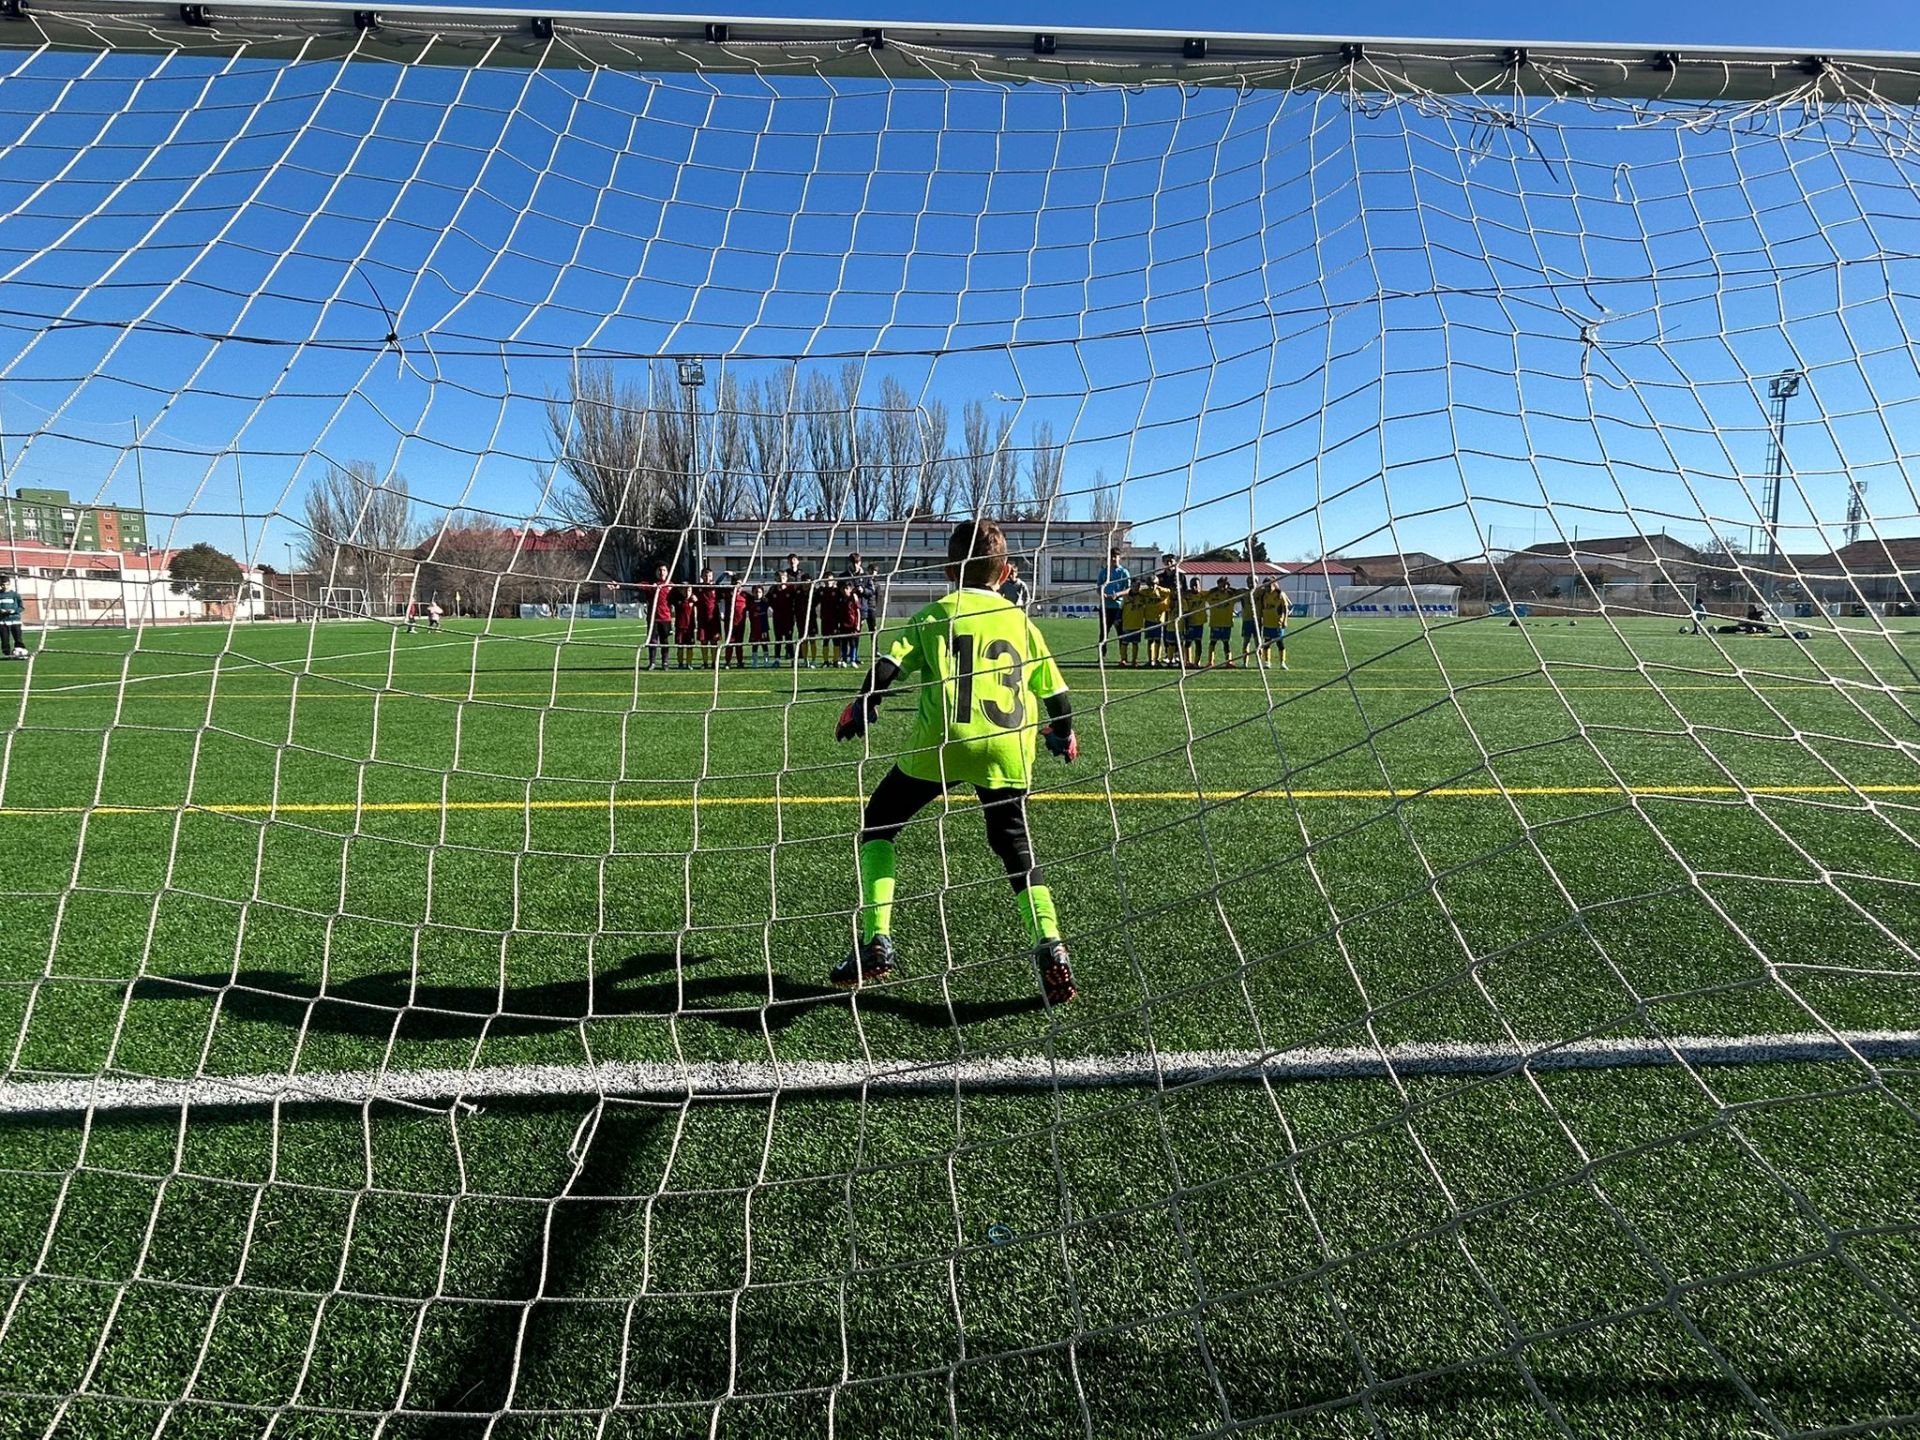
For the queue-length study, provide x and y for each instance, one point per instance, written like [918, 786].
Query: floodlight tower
[1856, 508]
[1782, 388]
[693, 374]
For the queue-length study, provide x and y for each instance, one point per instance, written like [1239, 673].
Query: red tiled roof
[1898, 554]
[575, 538]
[1316, 567]
[16, 554]
[1393, 562]
[1266, 570]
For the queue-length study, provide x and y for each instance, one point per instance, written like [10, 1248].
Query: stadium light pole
[1782, 388]
[693, 374]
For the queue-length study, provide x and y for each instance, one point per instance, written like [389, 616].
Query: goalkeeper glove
[1066, 746]
[856, 717]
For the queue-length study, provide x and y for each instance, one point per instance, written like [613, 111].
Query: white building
[1061, 559]
[63, 588]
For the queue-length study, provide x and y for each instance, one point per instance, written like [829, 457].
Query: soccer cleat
[1056, 971]
[864, 964]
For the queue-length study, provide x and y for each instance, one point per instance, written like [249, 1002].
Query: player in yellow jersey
[1222, 601]
[1133, 612]
[1250, 623]
[983, 668]
[1276, 608]
[1155, 602]
[1193, 622]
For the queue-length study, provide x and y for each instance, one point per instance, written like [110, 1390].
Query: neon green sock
[876, 889]
[1036, 910]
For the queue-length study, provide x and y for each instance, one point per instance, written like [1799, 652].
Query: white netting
[417, 1022]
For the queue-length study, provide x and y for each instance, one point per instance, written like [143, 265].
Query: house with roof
[1413, 567]
[1879, 572]
[64, 586]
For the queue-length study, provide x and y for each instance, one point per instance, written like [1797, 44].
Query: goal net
[1481, 1028]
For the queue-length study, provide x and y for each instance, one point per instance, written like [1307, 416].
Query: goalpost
[1483, 1028]
[341, 601]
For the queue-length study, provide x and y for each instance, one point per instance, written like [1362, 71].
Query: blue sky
[1349, 331]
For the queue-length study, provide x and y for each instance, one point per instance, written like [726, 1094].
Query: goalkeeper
[981, 665]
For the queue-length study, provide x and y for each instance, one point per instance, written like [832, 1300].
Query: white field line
[299, 667]
[73, 1096]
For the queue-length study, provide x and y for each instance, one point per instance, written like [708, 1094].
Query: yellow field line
[228, 694]
[1081, 797]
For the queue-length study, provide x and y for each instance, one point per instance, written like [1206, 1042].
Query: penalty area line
[1038, 797]
[722, 1079]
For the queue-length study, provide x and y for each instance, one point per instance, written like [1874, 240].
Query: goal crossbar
[310, 31]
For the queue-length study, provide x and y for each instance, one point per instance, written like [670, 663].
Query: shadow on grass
[478, 1381]
[650, 985]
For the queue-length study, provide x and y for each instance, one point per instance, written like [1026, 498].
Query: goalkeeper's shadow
[659, 985]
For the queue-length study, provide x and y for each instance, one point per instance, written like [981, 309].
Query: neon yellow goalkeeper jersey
[983, 670]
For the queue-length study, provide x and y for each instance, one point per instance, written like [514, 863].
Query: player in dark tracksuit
[13, 611]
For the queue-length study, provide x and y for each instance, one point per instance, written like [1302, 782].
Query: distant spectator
[707, 607]
[864, 593]
[757, 625]
[1116, 583]
[840, 621]
[13, 610]
[811, 598]
[686, 625]
[656, 603]
[784, 606]
[737, 606]
[434, 612]
[1015, 588]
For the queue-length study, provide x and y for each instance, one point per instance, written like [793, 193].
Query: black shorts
[900, 796]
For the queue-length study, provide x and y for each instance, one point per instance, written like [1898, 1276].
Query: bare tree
[1103, 500]
[974, 480]
[934, 480]
[726, 471]
[606, 444]
[1005, 495]
[830, 443]
[1046, 472]
[773, 445]
[473, 563]
[672, 453]
[359, 529]
[869, 487]
[898, 446]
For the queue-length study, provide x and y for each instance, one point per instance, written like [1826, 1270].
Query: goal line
[748, 1079]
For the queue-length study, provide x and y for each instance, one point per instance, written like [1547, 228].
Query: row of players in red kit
[796, 621]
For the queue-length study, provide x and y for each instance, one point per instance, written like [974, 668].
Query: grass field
[280, 851]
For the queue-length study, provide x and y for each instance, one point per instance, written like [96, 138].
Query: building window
[1076, 569]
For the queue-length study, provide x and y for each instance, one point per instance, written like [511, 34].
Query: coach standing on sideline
[1115, 581]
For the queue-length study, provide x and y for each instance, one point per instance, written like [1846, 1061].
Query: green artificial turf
[287, 849]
